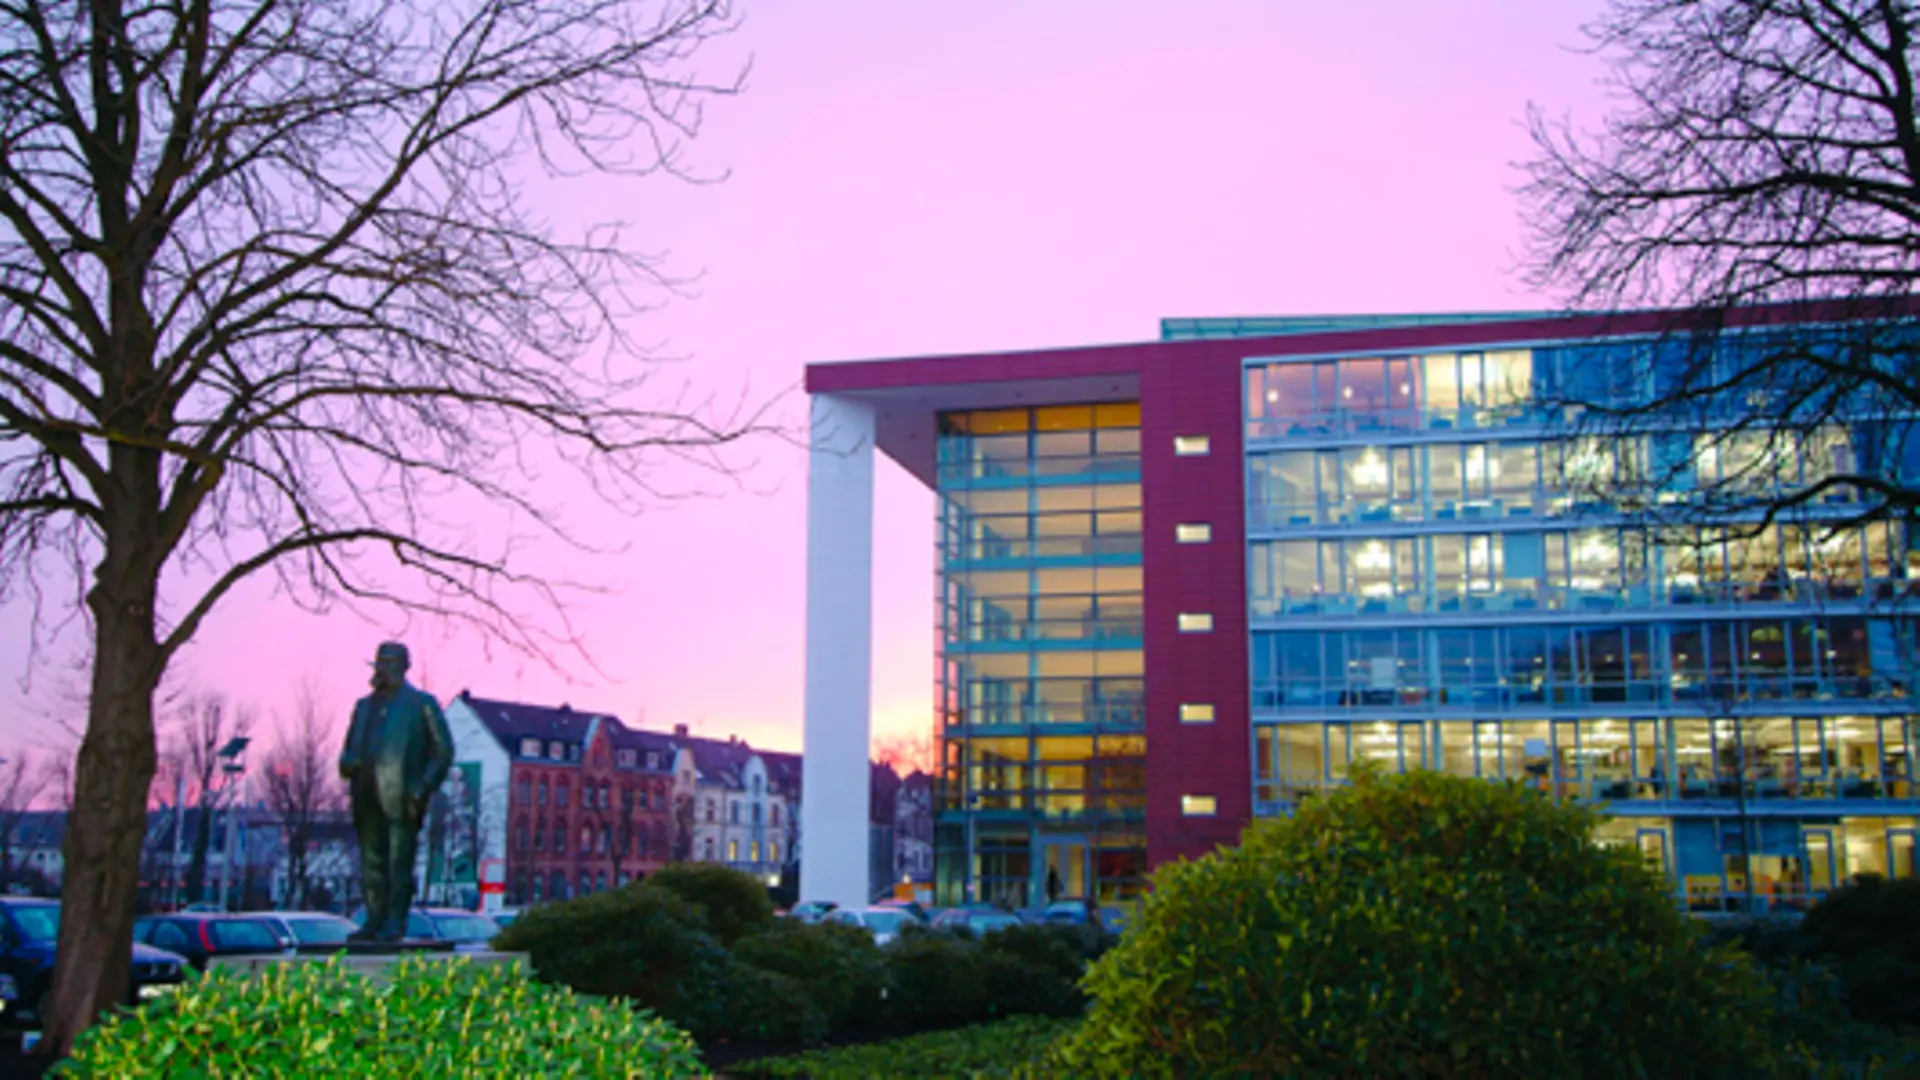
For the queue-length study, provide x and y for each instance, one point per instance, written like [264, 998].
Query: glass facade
[1041, 693]
[1443, 574]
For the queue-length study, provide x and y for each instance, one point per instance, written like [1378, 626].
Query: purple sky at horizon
[912, 178]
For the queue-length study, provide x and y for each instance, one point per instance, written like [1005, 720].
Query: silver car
[884, 922]
[309, 931]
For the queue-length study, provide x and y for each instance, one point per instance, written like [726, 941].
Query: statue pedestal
[395, 948]
[374, 965]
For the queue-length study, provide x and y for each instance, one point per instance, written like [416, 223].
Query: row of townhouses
[559, 802]
[543, 803]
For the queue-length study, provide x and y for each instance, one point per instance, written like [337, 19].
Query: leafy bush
[934, 981]
[768, 1007]
[1033, 969]
[733, 903]
[1420, 925]
[838, 967]
[1813, 1021]
[1014, 1048]
[646, 945]
[443, 1018]
[1869, 932]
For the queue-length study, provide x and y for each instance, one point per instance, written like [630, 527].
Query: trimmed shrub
[1420, 925]
[934, 981]
[838, 967]
[733, 903]
[442, 1018]
[647, 945]
[1032, 969]
[768, 1007]
[1017, 1048]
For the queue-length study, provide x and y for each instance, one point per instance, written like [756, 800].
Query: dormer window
[626, 759]
[653, 759]
[529, 747]
[556, 751]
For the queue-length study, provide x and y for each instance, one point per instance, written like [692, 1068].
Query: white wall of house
[474, 742]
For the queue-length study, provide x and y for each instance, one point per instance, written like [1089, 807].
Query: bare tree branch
[1761, 151]
[273, 300]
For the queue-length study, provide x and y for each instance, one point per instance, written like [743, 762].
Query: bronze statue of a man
[398, 751]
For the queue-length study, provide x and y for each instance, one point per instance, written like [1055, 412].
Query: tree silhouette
[271, 296]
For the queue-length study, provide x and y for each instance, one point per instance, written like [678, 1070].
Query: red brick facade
[588, 824]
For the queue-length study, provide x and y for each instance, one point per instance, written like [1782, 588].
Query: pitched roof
[720, 761]
[511, 721]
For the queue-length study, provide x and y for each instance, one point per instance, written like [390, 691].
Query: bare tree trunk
[107, 824]
[197, 862]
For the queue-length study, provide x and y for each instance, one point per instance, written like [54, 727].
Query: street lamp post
[231, 766]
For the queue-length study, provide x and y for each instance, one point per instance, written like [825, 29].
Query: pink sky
[937, 178]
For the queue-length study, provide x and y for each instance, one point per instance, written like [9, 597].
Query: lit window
[529, 747]
[1190, 445]
[733, 851]
[1195, 622]
[1200, 533]
[1197, 805]
[1196, 714]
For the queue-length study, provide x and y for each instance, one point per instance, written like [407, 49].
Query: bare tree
[303, 789]
[684, 825]
[905, 753]
[615, 824]
[206, 725]
[269, 288]
[21, 780]
[1761, 152]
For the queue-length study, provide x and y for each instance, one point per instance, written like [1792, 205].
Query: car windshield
[886, 919]
[38, 922]
[320, 931]
[466, 927]
[244, 935]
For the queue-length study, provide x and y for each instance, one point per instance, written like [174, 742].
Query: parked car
[505, 916]
[911, 907]
[884, 922]
[28, 930]
[203, 937]
[977, 920]
[812, 911]
[310, 931]
[469, 931]
[1074, 912]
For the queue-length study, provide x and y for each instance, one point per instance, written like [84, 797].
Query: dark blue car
[28, 930]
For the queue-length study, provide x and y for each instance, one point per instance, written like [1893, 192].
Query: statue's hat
[393, 649]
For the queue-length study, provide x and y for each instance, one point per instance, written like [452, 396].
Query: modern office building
[1185, 582]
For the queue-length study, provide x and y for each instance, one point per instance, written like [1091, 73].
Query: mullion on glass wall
[1559, 664]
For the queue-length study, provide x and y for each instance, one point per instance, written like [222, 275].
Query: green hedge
[838, 968]
[1014, 1049]
[785, 982]
[434, 1018]
[732, 904]
[648, 946]
[1420, 925]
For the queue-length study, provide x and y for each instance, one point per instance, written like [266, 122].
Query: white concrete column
[835, 780]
